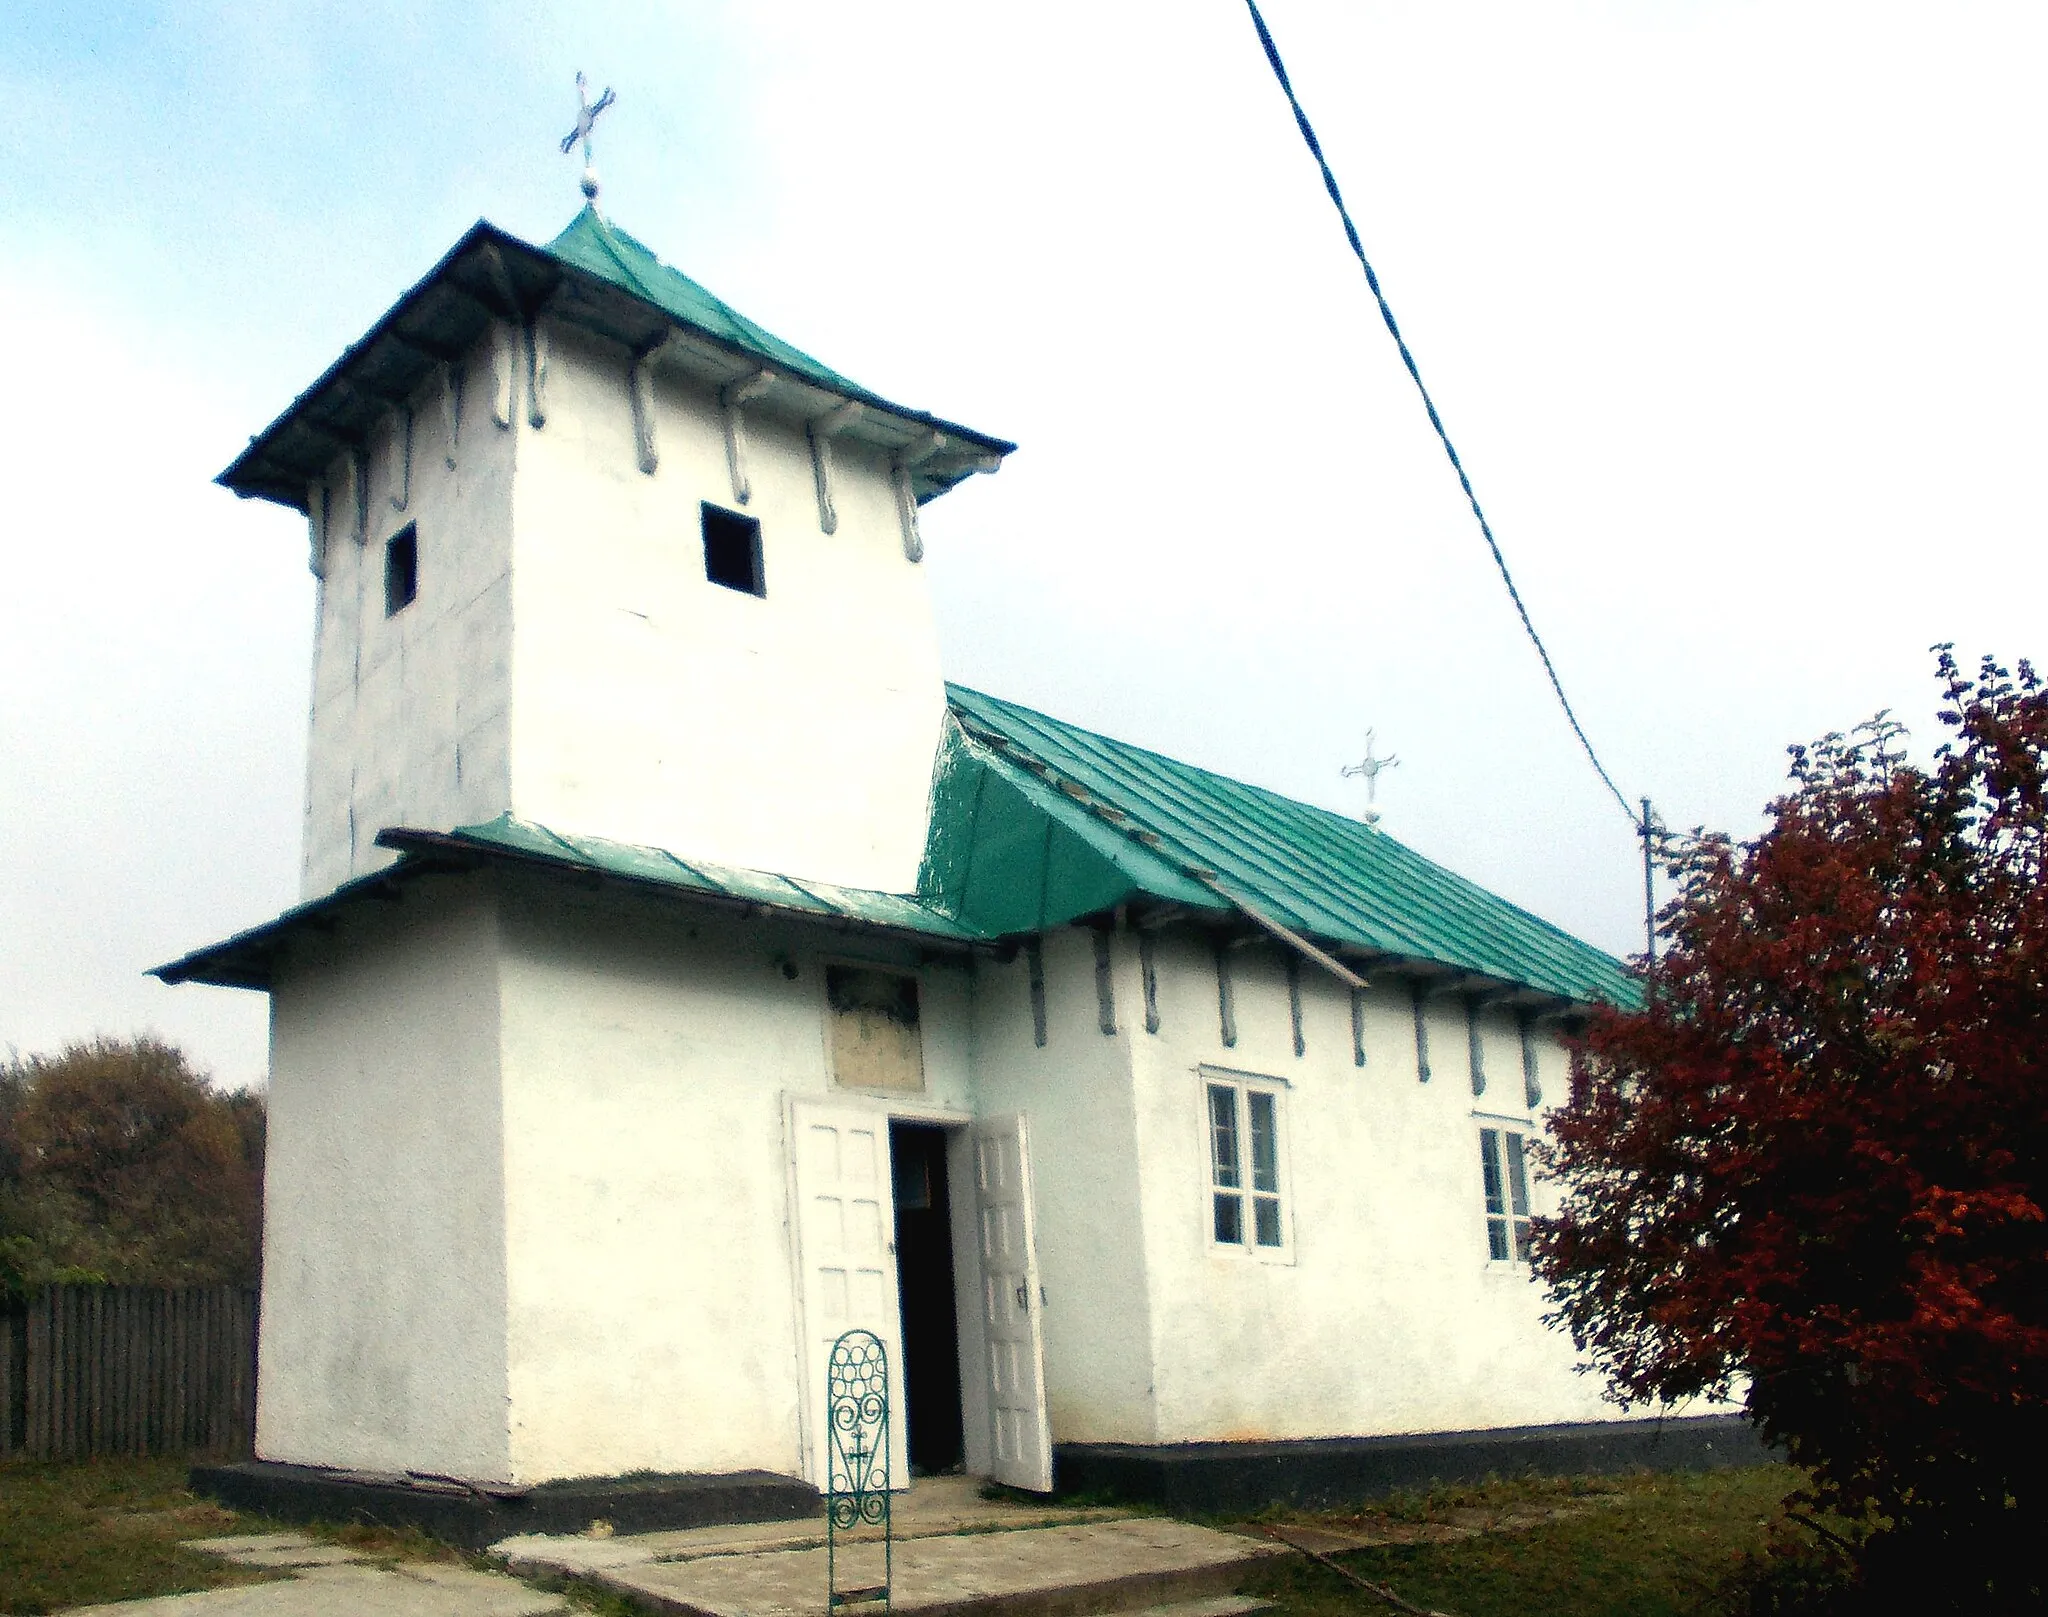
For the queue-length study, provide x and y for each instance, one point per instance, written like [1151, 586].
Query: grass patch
[391, 1545]
[1650, 1545]
[1637, 1546]
[86, 1532]
[97, 1530]
[587, 1594]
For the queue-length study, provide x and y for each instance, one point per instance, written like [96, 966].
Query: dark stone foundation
[474, 1516]
[1215, 1478]
[1190, 1478]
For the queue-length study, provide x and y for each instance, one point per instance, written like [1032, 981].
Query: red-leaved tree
[1811, 1171]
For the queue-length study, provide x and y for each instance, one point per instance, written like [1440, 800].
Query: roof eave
[247, 959]
[1337, 952]
[449, 846]
[244, 474]
[505, 278]
[244, 960]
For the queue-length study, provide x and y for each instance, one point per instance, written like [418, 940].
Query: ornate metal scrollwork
[857, 1459]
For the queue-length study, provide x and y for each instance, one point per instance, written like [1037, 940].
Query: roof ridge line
[1179, 763]
[1372, 891]
[619, 241]
[1211, 879]
[681, 864]
[1470, 887]
[556, 837]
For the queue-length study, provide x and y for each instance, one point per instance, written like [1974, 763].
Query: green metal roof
[1036, 822]
[596, 276]
[248, 959]
[656, 866]
[593, 243]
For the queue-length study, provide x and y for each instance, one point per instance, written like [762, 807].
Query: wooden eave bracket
[536, 373]
[902, 476]
[640, 389]
[821, 430]
[504, 374]
[504, 301]
[401, 496]
[732, 398]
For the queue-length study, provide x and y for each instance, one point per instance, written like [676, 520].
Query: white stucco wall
[383, 1340]
[409, 719]
[1387, 1316]
[567, 659]
[793, 732]
[1076, 1095]
[649, 1057]
[530, 1192]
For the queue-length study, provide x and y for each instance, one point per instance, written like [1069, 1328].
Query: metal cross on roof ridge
[586, 119]
[1370, 768]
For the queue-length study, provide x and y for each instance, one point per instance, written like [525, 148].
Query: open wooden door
[1012, 1299]
[846, 1252]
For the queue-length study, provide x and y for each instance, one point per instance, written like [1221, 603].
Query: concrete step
[1215, 1606]
[473, 1515]
[1079, 1570]
[578, 1555]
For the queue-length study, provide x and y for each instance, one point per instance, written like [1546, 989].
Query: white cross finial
[1370, 768]
[586, 118]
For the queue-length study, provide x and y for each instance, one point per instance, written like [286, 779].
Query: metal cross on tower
[1370, 768]
[586, 118]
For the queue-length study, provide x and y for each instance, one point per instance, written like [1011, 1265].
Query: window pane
[1489, 1165]
[1223, 1136]
[1265, 1144]
[1518, 1178]
[1497, 1239]
[1230, 1220]
[1523, 1246]
[1266, 1220]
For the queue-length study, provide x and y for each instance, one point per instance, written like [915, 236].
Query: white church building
[686, 973]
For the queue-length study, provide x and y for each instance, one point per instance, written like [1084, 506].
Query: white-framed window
[1247, 1164]
[1504, 1171]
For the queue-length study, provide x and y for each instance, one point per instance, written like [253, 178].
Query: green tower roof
[596, 276]
[594, 244]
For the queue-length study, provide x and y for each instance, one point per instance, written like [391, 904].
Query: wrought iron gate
[857, 1460]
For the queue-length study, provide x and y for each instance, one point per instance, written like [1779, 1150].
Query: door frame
[967, 1284]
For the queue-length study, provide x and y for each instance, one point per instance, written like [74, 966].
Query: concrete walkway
[1032, 1572]
[329, 1580]
[955, 1553]
[933, 1506]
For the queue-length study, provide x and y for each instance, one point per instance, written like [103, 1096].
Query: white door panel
[1012, 1297]
[845, 1215]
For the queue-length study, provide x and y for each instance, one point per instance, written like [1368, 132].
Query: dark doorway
[924, 1273]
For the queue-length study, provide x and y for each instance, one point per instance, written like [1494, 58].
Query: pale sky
[1734, 310]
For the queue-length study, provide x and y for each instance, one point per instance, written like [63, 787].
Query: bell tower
[598, 552]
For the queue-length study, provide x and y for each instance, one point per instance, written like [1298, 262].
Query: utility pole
[1647, 830]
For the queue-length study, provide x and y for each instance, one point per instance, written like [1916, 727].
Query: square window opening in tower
[401, 569]
[732, 551]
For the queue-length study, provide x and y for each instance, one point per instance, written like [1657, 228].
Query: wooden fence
[92, 1370]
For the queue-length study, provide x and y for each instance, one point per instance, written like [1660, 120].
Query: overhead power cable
[1372, 280]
